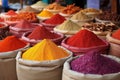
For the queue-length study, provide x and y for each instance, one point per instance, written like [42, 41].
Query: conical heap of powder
[85, 39]
[68, 25]
[55, 19]
[80, 16]
[11, 43]
[24, 24]
[95, 63]
[45, 50]
[42, 33]
[116, 34]
[45, 13]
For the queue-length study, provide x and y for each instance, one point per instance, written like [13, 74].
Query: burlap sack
[114, 45]
[8, 64]
[40, 70]
[69, 74]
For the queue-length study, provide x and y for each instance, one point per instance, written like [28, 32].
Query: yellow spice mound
[45, 13]
[45, 50]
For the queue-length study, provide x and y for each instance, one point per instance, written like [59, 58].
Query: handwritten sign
[93, 4]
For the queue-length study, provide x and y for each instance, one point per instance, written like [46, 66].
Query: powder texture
[95, 63]
[55, 19]
[42, 33]
[116, 34]
[85, 39]
[11, 43]
[68, 25]
[45, 13]
[45, 50]
[80, 16]
[23, 24]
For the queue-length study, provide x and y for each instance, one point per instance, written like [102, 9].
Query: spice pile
[23, 25]
[11, 43]
[29, 9]
[70, 9]
[95, 63]
[100, 26]
[40, 33]
[84, 39]
[45, 13]
[80, 17]
[39, 5]
[24, 16]
[45, 50]
[54, 6]
[68, 26]
[55, 20]
[11, 13]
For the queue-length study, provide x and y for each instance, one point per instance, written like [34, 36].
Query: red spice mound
[116, 34]
[24, 24]
[11, 43]
[42, 33]
[11, 12]
[56, 19]
[1, 20]
[95, 63]
[84, 39]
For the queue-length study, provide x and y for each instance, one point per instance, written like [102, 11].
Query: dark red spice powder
[42, 33]
[95, 63]
[85, 39]
[116, 34]
[56, 19]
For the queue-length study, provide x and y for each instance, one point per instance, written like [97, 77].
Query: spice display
[39, 5]
[55, 19]
[11, 13]
[85, 39]
[100, 26]
[45, 50]
[95, 63]
[45, 13]
[116, 34]
[80, 17]
[24, 16]
[29, 9]
[11, 43]
[54, 6]
[70, 9]
[68, 26]
[40, 33]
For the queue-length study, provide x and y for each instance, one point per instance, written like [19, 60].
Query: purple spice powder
[94, 63]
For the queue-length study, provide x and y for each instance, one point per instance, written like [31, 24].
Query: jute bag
[8, 65]
[40, 70]
[114, 45]
[69, 74]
